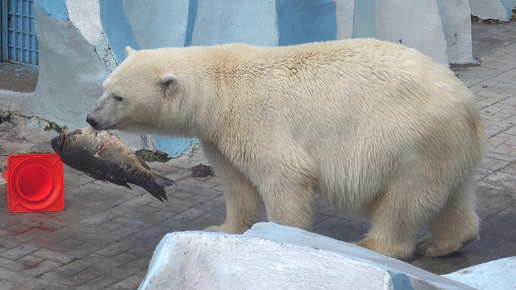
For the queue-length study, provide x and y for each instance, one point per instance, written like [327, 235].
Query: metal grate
[22, 45]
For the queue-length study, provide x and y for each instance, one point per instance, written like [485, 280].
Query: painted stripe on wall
[117, 29]
[192, 15]
[508, 7]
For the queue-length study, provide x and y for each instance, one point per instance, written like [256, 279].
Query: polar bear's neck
[209, 81]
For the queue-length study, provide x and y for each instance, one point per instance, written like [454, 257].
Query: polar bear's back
[359, 75]
[366, 111]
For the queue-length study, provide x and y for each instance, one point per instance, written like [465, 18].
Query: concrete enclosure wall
[81, 42]
[493, 9]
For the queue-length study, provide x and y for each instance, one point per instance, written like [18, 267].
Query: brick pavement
[106, 234]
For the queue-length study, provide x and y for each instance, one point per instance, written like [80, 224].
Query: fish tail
[156, 188]
[163, 182]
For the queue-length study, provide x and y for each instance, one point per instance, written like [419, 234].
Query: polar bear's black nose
[92, 121]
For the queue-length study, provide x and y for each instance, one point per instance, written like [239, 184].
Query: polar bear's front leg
[244, 205]
[285, 178]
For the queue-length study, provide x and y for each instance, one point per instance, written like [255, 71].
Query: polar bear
[374, 127]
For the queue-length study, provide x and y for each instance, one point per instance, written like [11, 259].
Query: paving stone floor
[105, 236]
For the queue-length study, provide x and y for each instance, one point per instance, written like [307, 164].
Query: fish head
[62, 142]
[134, 95]
[58, 143]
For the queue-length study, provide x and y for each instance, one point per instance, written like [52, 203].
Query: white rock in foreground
[270, 256]
[499, 274]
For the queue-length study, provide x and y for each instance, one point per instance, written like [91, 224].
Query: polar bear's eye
[118, 98]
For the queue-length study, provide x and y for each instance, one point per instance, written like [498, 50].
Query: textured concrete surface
[106, 234]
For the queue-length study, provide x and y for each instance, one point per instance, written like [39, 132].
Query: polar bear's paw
[212, 229]
[224, 228]
[430, 247]
[397, 250]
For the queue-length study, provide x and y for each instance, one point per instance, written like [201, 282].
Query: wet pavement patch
[18, 77]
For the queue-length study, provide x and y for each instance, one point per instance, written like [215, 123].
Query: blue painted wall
[54, 8]
[301, 21]
[228, 21]
[160, 23]
[174, 146]
[117, 29]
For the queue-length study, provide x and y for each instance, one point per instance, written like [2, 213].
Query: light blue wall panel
[301, 21]
[164, 25]
[228, 21]
[364, 23]
[54, 8]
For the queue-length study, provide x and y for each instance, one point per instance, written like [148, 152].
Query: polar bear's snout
[103, 115]
[91, 120]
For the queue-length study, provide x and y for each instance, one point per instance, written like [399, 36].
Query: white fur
[373, 126]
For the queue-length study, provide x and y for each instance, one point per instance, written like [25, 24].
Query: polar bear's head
[136, 94]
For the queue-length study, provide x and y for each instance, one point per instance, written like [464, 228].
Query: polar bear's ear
[129, 50]
[169, 81]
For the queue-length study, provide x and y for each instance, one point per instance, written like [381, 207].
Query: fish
[103, 156]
